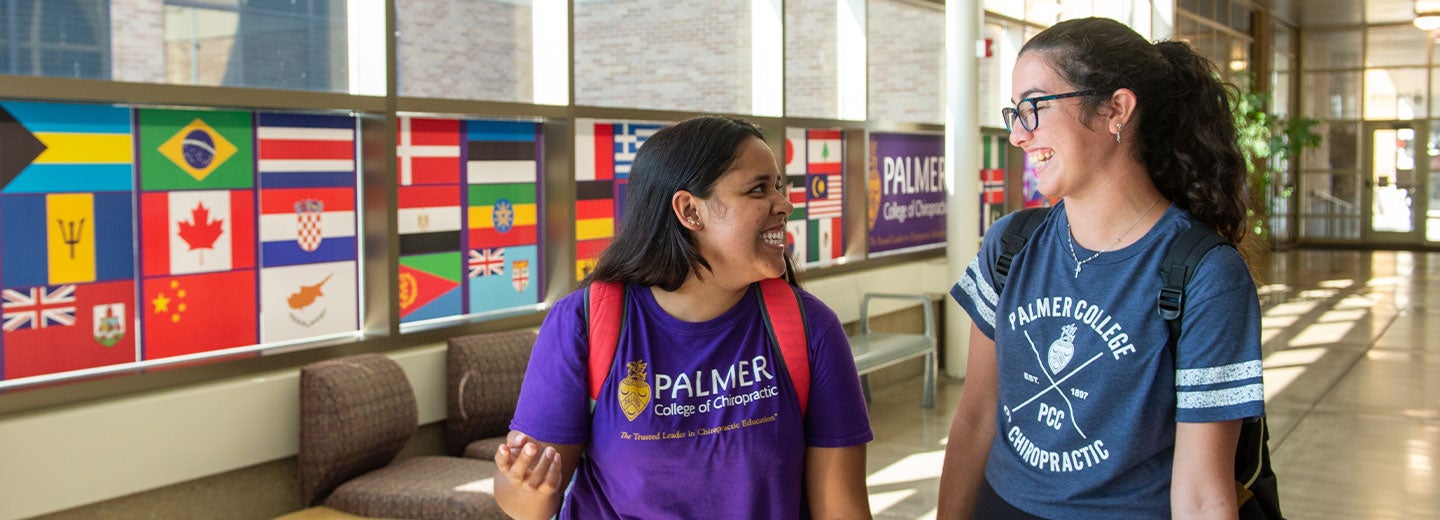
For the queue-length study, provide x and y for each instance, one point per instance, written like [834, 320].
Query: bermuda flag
[198, 313]
[429, 286]
[504, 280]
[60, 238]
[308, 300]
[429, 219]
[64, 147]
[197, 231]
[823, 195]
[795, 151]
[428, 151]
[59, 328]
[823, 151]
[501, 152]
[307, 188]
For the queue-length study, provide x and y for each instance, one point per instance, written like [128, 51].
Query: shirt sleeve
[837, 416]
[975, 291]
[1218, 369]
[554, 401]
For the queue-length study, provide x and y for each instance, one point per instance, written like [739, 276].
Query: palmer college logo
[634, 391]
[307, 216]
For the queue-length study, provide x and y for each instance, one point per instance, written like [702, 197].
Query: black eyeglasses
[1029, 117]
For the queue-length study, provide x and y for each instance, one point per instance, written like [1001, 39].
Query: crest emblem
[634, 391]
[1063, 349]
[520, 275]
[307, 216]
[109, 323]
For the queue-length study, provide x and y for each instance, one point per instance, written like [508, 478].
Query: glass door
[1395, 189]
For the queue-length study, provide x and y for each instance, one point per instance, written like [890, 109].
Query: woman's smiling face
[1062, 149]
[743, 233]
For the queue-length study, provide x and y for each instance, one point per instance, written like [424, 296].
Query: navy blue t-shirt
[1088, 393]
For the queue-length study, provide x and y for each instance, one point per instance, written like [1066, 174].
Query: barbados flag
[60, 238]
[64, 147]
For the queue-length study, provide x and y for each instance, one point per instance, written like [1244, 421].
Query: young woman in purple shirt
[699, 418]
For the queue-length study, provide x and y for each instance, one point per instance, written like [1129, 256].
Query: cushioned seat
[356, 413]
[483, 374]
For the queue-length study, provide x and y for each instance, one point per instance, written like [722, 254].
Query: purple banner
[906, 185]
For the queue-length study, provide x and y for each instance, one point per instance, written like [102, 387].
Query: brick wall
[465, 50]
[906, 44]
[137, 30]
[810, 59]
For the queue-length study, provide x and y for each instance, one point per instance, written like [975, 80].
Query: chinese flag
[198, 313]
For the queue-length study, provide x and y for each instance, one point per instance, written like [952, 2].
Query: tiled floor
[1352, 384]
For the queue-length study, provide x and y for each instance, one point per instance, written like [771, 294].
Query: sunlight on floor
[917, 466]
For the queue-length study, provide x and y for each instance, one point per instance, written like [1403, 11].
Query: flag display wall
[814, 168]
[992, 179]
[603, 153]
[131, 235]
[468, 217]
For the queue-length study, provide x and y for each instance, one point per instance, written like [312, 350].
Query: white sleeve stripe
[1216, 375]
[986, 309]
[1220, 398]
[985, 289]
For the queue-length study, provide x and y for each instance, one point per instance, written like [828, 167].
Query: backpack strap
[1022, 226]
[785, 322]
[605, 316]
[783, 317]
[1176, 269]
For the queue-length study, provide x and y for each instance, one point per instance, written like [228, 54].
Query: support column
[963, 19]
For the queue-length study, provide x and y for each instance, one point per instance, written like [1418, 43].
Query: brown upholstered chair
[356, 413]
[483, 374]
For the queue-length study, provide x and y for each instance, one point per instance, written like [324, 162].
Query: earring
[695, 222]
[1117, 131]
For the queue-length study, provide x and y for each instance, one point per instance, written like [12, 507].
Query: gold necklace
[1069, 237]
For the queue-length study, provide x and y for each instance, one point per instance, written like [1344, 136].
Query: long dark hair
[1187, 138]
[651, 247]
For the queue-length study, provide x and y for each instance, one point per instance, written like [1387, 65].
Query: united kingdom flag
[487, 262]
[39, 307]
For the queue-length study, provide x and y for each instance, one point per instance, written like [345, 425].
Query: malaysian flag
[39, 307]
[487, 262]
[823, 199]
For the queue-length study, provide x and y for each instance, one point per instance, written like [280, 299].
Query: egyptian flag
[197, 231]
[198, 313]
[429, 219]
[59, 328]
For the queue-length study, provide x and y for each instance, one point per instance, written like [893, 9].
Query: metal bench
[877, 350]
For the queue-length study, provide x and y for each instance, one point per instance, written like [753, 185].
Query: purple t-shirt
[709, 426]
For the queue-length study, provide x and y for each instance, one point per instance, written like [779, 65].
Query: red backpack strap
[604, 314]
[786, 321]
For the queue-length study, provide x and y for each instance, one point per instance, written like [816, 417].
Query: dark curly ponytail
[1187, 137]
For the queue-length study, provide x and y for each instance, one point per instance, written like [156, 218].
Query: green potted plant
[1268, 141]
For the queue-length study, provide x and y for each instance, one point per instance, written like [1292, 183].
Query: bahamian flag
[65, 147]
[187, 150]
[60, 238]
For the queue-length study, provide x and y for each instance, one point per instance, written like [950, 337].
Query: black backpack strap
[1176, 269]
[1022, 226]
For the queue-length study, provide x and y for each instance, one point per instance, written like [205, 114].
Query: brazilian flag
[188, 150]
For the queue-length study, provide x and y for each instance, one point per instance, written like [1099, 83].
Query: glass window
[907, 62]
[1332, 95]
[1339, 147]
[466, 49]
[1394, 46]
[1395, 93]
[1004, 40]
[1329, 12]
[287, 44]
[1239, 17]
[1329, 208]
[689, 55]
[1331, 49]
[64, 38]
[1009, 8]
[811, 59]
[1043, 12]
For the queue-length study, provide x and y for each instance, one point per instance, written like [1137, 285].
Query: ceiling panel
[1389, 11]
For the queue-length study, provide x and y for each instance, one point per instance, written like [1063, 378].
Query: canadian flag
[197, 231]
